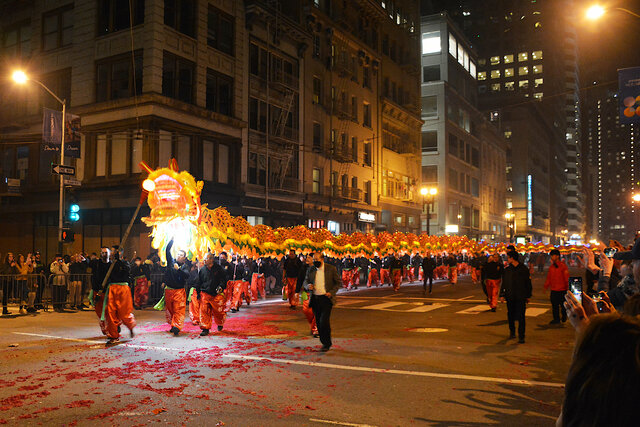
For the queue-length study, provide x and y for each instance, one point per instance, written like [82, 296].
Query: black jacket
[493, 270]
[175, 278]
[212, 281]
[292, 266]
[120, 272]
[428, 264]
[98, 271]
[516, 283]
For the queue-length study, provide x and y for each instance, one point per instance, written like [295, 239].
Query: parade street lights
[21, 78]
[428, 195]
[636, 197]
[596, 12]
[511, 223]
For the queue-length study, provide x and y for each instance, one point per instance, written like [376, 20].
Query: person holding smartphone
[558, 282]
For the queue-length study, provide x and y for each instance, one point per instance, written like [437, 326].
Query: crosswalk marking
[535, 312]
[475, 309]
[427, 307]
[383, 306]
[344, 301]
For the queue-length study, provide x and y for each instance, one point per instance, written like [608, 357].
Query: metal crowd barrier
[156, 292]
[66, 290]
[17, 289]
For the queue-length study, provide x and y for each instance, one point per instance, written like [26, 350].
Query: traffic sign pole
[61, 204]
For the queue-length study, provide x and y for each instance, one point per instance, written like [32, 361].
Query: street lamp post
[428, 195]
[596, 12]
[21, 78]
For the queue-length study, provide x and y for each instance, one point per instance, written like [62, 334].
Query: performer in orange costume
[257, 280]
[175, 295]
[291, 269]
[119, 305]
[212, 281]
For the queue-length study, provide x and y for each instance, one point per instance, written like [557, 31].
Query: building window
[367, 154]
[366, 109]
[317, 181]
[475, 187]
[537, 95]
[538, 82]
[367, 192]
[177, 78]
[522, 56]
[460, 54]
[113, 15]
[453, 145]
[181, 16]
[495, 74]
[429, 107]
[354, 108]
[354, 182]
[472, 69]
[257, 168]
[118, 154]
[495, 87]
[225, 164]
[508, 72]
[495, 60]
[537, 69]
[317, 90]
[508, 59]
[536, 55]
[430, 73]
[431, 43]
[430, 141]
[59, 82]
[316, 46]
[482, 75]
[523, 71]
[317, 137]
[453, 45]
[219, 93]
[430, 174]
[220, 30]
[17, 40]
[366, 77]
[354, 148]
[116, 78]
[57, 28]
[475, 157]
[523, 84]
[257, 115]
[509, 86]
[453, 179]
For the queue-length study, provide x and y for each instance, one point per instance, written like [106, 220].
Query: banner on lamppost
[51, 136]
[629, 95]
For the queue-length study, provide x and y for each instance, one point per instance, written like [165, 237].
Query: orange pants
[350, 278]
[98, 299]
[475, 274]
[493, 289]
[257, 286]
[290, 283]
[175, 304]
[308, 312]
[453, 275]
[212, 306]
[237, 288]
[194, 308]
[373, 278]
[119, 309]
[141, 292]
[385, 277]
[397, 278]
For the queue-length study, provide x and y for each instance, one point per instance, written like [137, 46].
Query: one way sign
[63, 170]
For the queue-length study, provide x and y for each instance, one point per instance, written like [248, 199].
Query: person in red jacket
[558, 281]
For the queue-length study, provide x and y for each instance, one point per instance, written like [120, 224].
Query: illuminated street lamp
[636, 197]
[596, 12]
[511, 223]
[20, 77]
[428, 196]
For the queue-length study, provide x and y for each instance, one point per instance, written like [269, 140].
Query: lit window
[495, 60]
[495, 87]
[508, 59]
[482, 62]
[536, 55]
[461, 54]
[522, 56]
[482, 75]
[507, 134]
[431, 42]
[495, 74]
[522, 71]
[472, 69]
[509, 86]
[537, 69]
[523, 84]
[538, 82]
[466, 61]
[453, 45]
[537, 95]
[508, 72]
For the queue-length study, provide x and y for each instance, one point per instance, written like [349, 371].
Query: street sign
[71, 182]
[63, 170]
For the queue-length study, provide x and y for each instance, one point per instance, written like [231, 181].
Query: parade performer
[385, 272]
[119, 305]
[212, 281]
[99, 268]
[141, 276]
[228, 277]
[291, 269]
[493, 279]
[237, 285]
[452, 263]
[348, 268]
[396, 272]
[407, 274]
[245, 265]
[175, 295]
[193, 295]
[428, 267]
[416, 262]
[374, 277]
[474, 263]
[257, 279]
[304, 295]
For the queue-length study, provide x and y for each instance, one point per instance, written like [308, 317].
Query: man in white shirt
[323, 281]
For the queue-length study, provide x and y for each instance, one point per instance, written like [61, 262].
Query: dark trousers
[427, 275]
[59, 296]
[515, 312]
[6, 285]
[557, 306]
[321, 306]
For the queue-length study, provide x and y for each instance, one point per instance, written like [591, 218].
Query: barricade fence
[21, 289]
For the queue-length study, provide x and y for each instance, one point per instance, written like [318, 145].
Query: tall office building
[521, 61]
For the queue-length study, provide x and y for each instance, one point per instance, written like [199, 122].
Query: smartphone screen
[610, 252]
[575, 286]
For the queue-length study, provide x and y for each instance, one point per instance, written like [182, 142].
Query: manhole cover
[428, 330]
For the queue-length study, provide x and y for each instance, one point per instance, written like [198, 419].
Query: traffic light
[74, 212]
[68, 236]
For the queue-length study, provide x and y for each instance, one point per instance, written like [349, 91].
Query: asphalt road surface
[398, 359]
